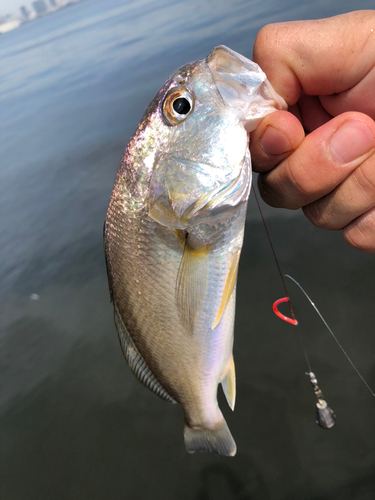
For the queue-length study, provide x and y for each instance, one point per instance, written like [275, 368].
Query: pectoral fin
[191, 280]
[228, 384]
[228, 287]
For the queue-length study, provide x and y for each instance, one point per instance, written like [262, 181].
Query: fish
[173, 235]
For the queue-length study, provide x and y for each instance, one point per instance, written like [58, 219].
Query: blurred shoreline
[39, 9]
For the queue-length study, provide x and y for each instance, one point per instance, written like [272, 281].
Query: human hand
[325, 70]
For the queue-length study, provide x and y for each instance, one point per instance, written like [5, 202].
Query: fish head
[201, 169]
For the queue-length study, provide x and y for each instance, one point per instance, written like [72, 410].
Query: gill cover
[183, 193]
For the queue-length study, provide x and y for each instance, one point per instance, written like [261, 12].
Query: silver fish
[174, 232]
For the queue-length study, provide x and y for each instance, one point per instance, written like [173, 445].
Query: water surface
[75, 422]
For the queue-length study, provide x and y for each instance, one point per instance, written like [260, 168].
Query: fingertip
[276, 136]
[268, 194]
[360, 233]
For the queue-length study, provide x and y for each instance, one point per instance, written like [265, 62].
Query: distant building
[40, 7]
[25, 12]
[4, 19]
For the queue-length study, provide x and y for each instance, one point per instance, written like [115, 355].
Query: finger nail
[351, 141]
[274, 142]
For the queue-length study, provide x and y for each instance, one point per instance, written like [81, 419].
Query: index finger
[321, 57]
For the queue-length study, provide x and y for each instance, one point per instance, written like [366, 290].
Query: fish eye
[177, 106]
[181, 106]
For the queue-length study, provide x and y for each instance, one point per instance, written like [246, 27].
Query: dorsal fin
[135, 361]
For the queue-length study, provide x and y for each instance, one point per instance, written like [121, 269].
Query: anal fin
[228, 384]
[135, 361]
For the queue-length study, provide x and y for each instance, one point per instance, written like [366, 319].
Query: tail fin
[218, 441]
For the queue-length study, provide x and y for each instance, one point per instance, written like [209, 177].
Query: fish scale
[174, 232]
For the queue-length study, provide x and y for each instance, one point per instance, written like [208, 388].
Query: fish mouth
[243, 85]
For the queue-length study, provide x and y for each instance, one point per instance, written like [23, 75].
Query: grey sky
[13, 6]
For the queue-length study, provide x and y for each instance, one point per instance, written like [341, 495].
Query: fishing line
[325, 416]
[292, 320]
[286, 299]
[331, 332]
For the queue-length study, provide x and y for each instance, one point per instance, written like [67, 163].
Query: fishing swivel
[325, 416]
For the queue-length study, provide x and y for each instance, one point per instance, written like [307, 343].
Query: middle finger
[351, 199]
[322, 161]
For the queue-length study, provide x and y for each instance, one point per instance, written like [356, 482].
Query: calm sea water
[74, 421]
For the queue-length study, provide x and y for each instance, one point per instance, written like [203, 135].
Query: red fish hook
[293, 320]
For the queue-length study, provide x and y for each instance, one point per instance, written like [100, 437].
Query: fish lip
[243, 86]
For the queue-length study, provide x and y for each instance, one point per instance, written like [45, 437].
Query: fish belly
[143, 264]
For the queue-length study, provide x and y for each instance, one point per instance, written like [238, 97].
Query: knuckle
[317, 214]
[365, 178]
[295, 172]
[262, 35]
[264, 40]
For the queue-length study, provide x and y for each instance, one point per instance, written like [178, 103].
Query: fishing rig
[325, 416]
